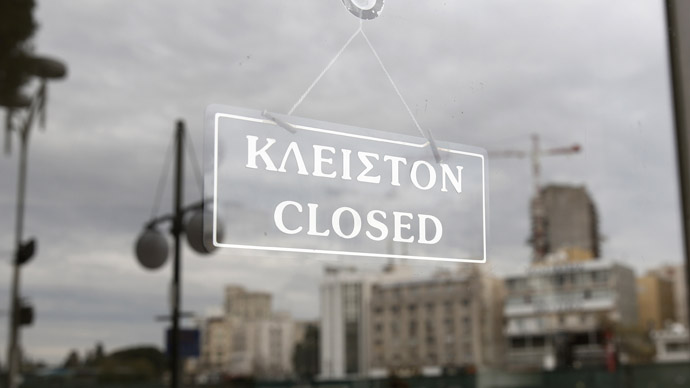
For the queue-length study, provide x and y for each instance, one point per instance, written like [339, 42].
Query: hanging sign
[290, 184]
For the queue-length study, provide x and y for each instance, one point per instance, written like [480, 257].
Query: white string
[426, 134]
[323, 72]
[393, 83]
[165, 171]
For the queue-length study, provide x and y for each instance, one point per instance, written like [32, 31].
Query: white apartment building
[217, 344]
[672, 344]
[450, 320]
[263, 347]
[247, 304]
[249, 339]
[345, 296]
[561, 307]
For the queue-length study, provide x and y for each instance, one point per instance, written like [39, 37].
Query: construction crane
[537, 239]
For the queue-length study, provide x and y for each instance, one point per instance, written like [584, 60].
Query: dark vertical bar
[13, 358]
[177, 232]
[678, 24]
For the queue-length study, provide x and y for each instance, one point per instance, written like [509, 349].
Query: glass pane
[572, 201]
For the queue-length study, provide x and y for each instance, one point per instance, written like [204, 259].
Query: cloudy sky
[486, 73]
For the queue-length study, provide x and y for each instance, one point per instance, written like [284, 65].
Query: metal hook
[432, 145]
[287, 126]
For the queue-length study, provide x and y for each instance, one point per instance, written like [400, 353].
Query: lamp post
[45, 69]
[152, 247]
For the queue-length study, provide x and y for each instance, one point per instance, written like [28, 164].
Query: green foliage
[17, 26]
[305, 359]
[133, 364]
[636, 343]
[141, 363]
[633, 340]
[72, 360]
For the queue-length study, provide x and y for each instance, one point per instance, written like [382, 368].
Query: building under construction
[569, 223]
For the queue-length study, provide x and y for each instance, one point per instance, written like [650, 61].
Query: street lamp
[152, 247]
[45, 69]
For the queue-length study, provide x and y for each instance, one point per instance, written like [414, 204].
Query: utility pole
[538, 238]
[21, 314]
[19, 65]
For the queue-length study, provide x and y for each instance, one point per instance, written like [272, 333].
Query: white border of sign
[331, 252]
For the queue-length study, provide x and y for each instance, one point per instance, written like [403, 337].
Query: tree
[132, 364]
[305, 359]
[17, 26]
[94, 358]
[99, 352]
[72, 361]
[632, 340]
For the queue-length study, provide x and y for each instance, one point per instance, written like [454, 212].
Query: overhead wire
[196, 165]
[162, 179]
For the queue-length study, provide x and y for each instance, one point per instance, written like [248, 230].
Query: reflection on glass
[583, 283]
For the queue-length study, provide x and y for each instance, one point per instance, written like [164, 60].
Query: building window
[673, 347]
[560, 280]
[450, 356]
[450, 325]
[394, 328]
[538, 342]
[413, 328]
[516, 284]
[600, 276]
[431, 357]
[518, 343]
[414, 352]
